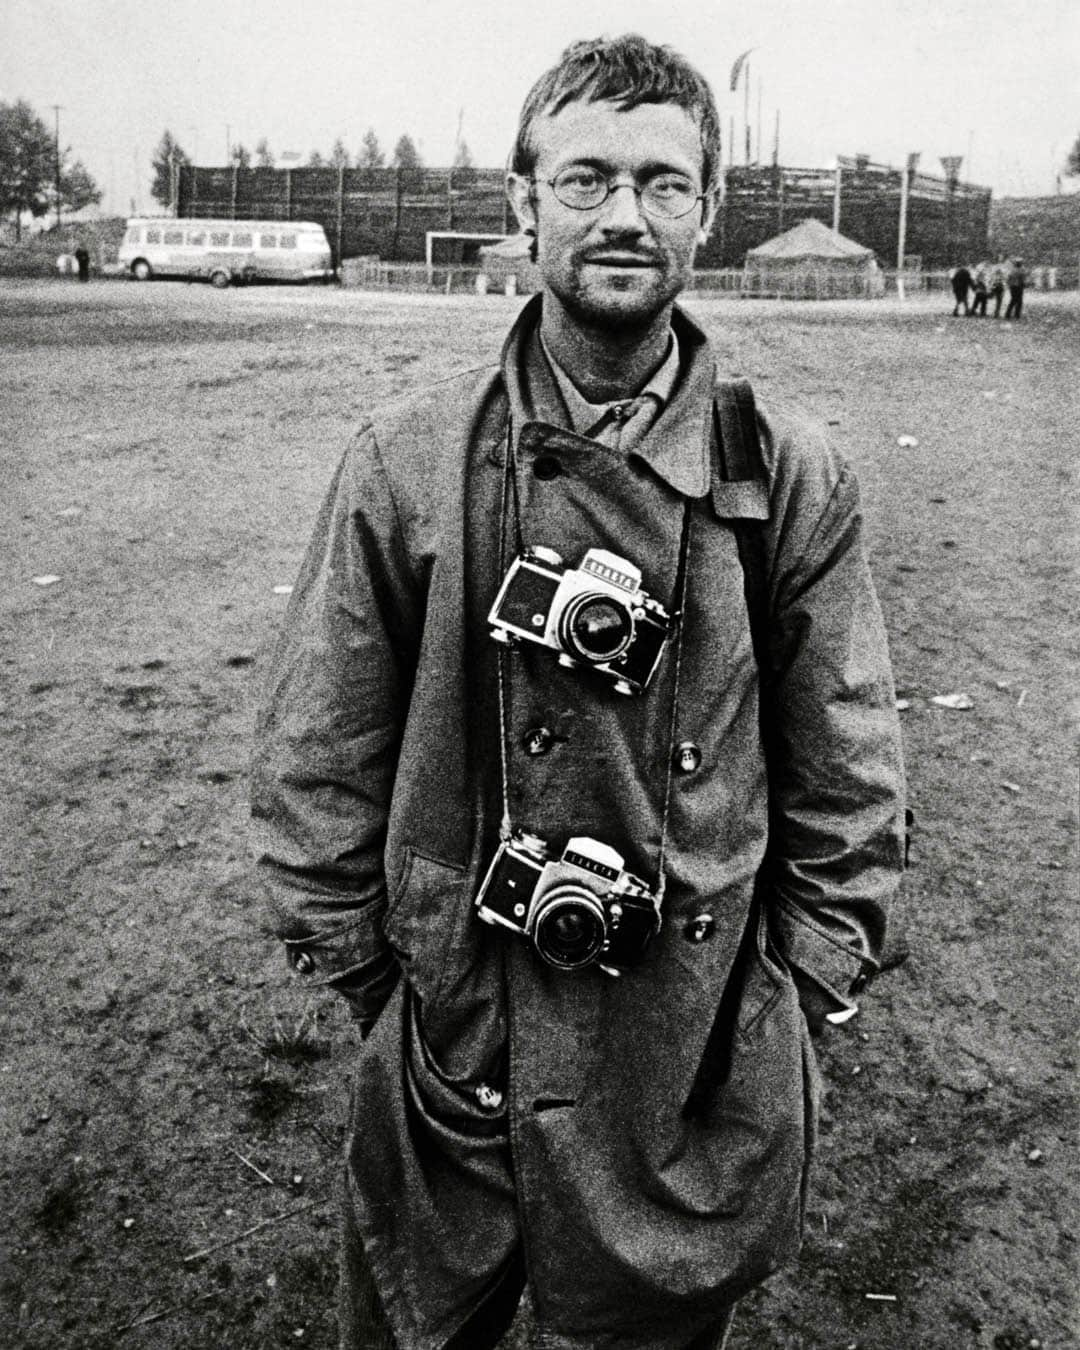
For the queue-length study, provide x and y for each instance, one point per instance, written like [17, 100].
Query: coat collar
[678, 445]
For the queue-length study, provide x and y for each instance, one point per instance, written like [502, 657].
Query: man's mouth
[620, 260]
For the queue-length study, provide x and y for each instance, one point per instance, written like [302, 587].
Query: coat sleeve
[837, 800]
[328, 734]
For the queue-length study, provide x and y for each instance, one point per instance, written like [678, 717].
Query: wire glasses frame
[668, 196]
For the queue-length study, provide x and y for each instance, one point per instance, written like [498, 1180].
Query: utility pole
[56, 109]
[901, 236]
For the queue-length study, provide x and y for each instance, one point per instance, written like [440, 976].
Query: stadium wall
[1044, 231]
[387, 213]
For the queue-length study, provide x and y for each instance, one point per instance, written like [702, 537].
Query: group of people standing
[989, 283]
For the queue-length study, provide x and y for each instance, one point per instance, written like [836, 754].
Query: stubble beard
[619, 304]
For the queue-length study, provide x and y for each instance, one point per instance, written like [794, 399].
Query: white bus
[225, 251]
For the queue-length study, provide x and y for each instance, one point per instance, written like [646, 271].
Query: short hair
[626, 71]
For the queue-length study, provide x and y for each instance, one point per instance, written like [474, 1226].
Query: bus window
[219, 238]
[153, 236]
[173, 237]
[197, 237]
[241, 240]
[288, 241]
[268, 241]
[132, 237]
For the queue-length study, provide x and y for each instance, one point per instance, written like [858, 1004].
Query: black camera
[579, 910]
[594, 615]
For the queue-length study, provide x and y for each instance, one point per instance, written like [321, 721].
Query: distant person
[978, 284]
[961, 284]
[1015, 282]
[82, 261]
[997, 287]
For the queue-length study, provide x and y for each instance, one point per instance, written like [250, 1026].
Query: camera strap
[510, 510]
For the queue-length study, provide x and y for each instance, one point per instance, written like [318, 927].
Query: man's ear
[519, 191]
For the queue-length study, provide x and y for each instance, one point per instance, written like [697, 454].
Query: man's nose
[623, 209]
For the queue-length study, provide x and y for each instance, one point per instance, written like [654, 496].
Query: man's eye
[671, 185]
[581, 179]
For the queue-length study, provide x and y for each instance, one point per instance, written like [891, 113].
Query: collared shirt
[620, 423]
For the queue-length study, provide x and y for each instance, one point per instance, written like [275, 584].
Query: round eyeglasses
[666, 195]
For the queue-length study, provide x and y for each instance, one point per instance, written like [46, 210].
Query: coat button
[538, 740]
[303, 963]
[700, 928]
[546, 467]
[687, 757]
[489, 1098]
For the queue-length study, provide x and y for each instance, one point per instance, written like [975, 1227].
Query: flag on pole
[736, 69]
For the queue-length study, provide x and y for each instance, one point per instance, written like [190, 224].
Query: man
[997, 288]
[979, 286]
[1015, 281]
[961, 284]
[574, 897]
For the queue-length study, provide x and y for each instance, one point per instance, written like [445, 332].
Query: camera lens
[596, 628]
[569, 928]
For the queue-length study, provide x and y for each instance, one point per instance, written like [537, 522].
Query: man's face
[613, 265]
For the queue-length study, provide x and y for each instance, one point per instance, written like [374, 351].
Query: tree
[167, 159]
[339, 156]
[371, 153]
[316, 161]
[406, 155]
[77, 188]
[28, 168]
[264, 156]
[241, 156]
[1072, 160]
[462, 156]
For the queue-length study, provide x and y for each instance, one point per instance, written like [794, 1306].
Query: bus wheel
[219, 278]
[141, 270]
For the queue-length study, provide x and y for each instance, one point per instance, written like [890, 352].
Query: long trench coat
[645, 1139]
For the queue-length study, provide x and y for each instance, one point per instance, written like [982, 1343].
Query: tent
[509, 260]
[811, 262]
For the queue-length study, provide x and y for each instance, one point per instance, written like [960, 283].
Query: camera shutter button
[546, 467]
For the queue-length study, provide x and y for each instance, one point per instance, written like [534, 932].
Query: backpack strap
[740, 495]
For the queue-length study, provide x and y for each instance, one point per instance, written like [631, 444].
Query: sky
[996, 81]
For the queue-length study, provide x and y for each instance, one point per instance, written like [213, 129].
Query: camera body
[578, 910]
[595, 615]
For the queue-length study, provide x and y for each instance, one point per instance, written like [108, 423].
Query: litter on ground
[958, 702]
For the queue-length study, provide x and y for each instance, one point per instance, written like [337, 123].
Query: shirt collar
[678, 447]
[584, 414]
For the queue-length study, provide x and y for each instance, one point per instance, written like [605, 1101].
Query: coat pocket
[425, 918]
[740, 1144]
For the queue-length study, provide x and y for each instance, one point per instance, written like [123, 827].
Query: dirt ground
[171, 1107]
